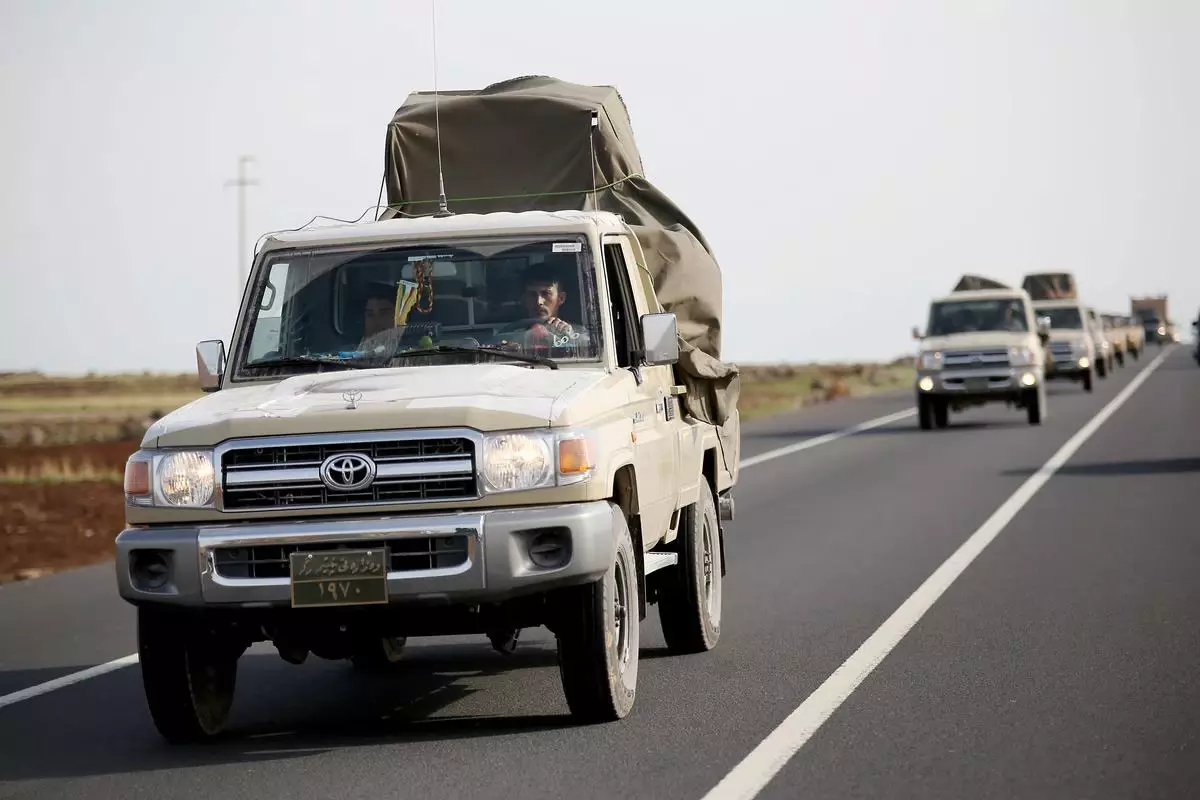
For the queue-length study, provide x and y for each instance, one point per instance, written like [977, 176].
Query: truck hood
[485, 397]
[968, 341]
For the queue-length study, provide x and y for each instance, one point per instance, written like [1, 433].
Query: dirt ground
[50, 525]
[46, 527]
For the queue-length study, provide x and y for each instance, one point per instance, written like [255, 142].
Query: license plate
[339, 577]
[977, 384]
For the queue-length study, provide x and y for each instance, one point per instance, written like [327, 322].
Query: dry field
[64, 441]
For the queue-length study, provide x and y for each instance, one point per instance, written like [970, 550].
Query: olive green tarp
[974, 283]
[528, 144]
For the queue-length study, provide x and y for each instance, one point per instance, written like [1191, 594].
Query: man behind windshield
[379, 319]
[543, 298]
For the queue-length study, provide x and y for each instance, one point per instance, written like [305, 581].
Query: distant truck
[475, 416]
[1077, 350]
[983, 343]
[1118, 337]
[1152, 311]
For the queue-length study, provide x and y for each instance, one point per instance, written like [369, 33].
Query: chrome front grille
[404, 555]
[975, 359]
[287, 475]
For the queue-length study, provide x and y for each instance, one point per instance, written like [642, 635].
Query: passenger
[380, 333]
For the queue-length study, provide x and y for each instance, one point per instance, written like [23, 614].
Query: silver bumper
[976, 382]
[497, 565]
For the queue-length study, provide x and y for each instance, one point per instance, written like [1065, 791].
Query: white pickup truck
[442, 424]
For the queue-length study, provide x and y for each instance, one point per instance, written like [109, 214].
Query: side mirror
[660, 333]
[1043, 327]
[210, 364]
[916, 333]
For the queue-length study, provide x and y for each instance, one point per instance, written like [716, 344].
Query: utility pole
[242, 182]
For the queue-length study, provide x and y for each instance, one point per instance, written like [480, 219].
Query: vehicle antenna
[443, 209]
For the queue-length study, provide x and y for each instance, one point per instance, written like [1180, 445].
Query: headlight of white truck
[172, 479]
[930, 359]
[523, 460]
[1022, 356]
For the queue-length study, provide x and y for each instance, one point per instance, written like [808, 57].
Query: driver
[543, 297]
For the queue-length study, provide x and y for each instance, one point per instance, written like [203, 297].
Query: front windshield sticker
[441, 257]
[567, 247]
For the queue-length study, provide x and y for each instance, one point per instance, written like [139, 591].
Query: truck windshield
[1063, 318]
[971, 316]
[532, 299]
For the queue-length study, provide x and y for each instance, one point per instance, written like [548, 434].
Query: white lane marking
[67, 680]
[757, 769]
[807, 444]
[817, 441]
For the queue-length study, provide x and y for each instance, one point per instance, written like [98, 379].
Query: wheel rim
[621, 615]
[711, 578]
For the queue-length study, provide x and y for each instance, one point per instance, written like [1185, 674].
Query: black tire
[1133, 351]
[1033, 406]
[188, 675]
[925, 412]
[597, 660]
[941, 413]
[1087, 380]
[689, 605]
[1101, 368]
[1120, 359]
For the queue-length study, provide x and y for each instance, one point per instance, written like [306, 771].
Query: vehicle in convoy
[983, 343]
[1104, 348]
[1155, 322]
[499, 415]
[1135, 337]
[1071, 347]
[1114, 331]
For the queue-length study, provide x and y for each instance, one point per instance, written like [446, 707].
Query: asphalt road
[1061, 662]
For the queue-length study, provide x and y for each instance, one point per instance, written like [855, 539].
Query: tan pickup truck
[983, 343]
[465, 422]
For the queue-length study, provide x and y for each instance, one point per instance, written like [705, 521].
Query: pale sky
[846, 160]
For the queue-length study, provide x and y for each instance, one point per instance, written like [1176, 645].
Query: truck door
[653, 408]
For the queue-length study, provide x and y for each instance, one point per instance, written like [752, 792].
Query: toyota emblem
[347, 472]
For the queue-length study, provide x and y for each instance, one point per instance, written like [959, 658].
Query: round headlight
[186, 479]
[515, 462]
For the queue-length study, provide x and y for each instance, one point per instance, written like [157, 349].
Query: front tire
[1033, 406]
[1087, 380]
[188, 675]
[925, 412]
[1101, 368]
[941, 413]
[598, 639]
[689, 607]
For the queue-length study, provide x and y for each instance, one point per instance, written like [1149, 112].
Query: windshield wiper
[443, 349]
[301, 361]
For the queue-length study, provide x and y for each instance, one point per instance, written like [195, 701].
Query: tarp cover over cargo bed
[975, 283]
[527, 144]
[1050, 286]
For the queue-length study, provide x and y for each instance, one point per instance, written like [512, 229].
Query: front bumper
[998, 383]
[497, 563]
[1069, 366]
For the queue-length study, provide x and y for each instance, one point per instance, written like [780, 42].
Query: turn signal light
[137, 477]
[574, 457]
